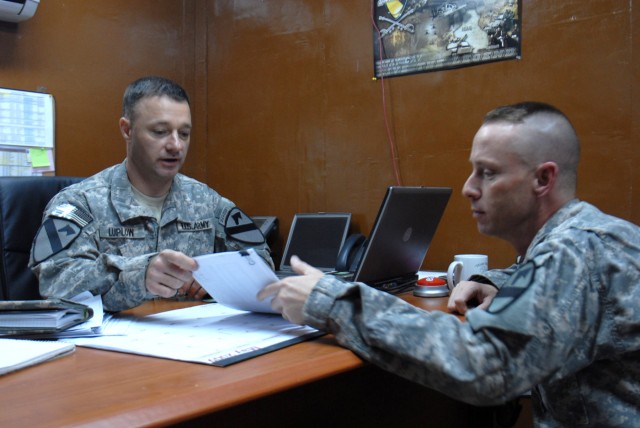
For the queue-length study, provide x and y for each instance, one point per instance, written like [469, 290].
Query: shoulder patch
[73, 213]
[54, 235]
[514, 288]
[241, 227]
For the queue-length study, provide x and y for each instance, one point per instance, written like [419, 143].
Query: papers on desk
[234, 279]
[16, 354]
[209, 334]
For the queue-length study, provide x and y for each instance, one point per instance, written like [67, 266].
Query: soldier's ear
[546, 175]
[125, 128]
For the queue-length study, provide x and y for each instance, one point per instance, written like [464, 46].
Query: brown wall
[85, 53]
[288, 118]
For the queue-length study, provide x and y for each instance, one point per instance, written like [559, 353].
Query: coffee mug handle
[453, 274]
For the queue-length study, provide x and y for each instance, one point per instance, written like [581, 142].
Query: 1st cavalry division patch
[58, 231]
[242, 228]
[514, 288]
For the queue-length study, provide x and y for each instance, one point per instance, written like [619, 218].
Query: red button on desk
[432, 281]
[431, 286]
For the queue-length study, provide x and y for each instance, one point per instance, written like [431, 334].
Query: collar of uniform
[568, 210]
[126, 205]
[173, 201]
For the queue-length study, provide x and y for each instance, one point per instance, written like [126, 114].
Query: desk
[315, 383]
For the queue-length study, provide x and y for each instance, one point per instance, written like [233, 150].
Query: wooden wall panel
[297, 124]
[85, 53]
[287, 116]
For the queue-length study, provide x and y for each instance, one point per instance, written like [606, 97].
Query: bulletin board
[27, 133]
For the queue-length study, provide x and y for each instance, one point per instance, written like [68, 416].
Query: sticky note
[39, 158]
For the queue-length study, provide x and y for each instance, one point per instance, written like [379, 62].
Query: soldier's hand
[192, 290]
[290, 294]
[469, 294]
[169, 272]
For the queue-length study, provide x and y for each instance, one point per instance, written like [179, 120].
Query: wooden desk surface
[102, 388]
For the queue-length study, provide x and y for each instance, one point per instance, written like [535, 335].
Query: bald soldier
[563, 322]
[130, 232]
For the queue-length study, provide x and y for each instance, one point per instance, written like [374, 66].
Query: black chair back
[22, 202]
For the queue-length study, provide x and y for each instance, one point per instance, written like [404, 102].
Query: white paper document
[235, 278]
[17, 354]
[209, 334]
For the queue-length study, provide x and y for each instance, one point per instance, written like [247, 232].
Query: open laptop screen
[316, 238]
[402, 233]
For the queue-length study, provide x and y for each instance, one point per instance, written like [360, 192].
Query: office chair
[22, 202]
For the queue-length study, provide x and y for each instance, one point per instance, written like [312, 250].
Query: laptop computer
[401, 235]
[317, 239]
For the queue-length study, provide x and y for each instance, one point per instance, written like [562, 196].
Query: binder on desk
[20, 317]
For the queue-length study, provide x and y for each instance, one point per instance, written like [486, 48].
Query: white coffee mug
[465, 265]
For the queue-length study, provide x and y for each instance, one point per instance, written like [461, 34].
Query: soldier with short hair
[563, 322]
[130, 232]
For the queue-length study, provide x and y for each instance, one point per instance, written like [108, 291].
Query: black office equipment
[268, 225]
[317, 239]
[401, 235]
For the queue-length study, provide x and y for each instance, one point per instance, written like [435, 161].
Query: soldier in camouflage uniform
[563, 322]
[129, 232]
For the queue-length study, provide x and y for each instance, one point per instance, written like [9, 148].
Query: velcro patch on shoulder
[54, 235]
[73, 213]
[514, 288]
[241, 227]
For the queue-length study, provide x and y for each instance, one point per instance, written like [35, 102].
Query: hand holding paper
[288, 297]
[235, 278]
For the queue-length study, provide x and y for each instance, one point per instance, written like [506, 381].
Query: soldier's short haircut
[151, 86]
[560, 143]
[517, 113]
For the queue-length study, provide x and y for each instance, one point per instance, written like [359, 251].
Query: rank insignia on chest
[241, 227]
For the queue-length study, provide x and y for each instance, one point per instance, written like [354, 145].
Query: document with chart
[209, 334]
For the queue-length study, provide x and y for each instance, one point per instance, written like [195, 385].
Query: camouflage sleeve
[80, 266]
[435, 349]
[493, 357]
[496, 277]
[237, 231]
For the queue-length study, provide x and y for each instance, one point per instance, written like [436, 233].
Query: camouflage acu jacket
[565, 324]
[105, 238]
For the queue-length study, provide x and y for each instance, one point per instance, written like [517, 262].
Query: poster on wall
[415, 36]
